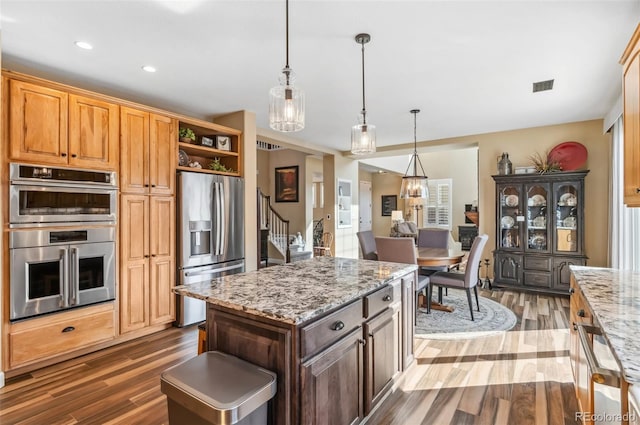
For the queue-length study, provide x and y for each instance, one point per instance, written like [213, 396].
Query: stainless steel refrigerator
[210, 234]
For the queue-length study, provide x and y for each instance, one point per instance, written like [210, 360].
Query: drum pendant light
[414, 185]
[363, 135]
[286, 101]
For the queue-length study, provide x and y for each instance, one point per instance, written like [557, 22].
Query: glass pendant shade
[363, 138]
[286, 105]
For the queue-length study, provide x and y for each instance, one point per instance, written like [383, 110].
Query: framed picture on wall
[287, 184]
[389, 203]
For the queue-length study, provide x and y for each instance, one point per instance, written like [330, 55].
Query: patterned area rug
[491, 319]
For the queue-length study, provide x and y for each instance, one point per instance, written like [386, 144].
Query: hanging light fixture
[414, 185]
[363, 135]
[286, 101]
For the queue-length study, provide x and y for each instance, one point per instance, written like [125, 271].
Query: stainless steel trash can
[217, 388]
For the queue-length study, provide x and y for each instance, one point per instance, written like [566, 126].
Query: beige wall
[383, 184]
[263, 171]
[314, 165]
[520, 144]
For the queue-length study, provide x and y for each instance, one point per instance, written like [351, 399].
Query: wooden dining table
[438, 257]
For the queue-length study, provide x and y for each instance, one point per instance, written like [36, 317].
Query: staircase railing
[268, 218]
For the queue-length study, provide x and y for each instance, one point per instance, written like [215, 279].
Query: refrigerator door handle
[223, 221]
[214, 271]
[64, 277]
[74, 281]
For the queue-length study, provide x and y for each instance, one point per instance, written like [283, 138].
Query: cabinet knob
[153, 255]
[68, 329]
[153, 185]
[572, 290]
[73, 155]
[581, 313]
[386, 298]
[63, 154]
[146, 185]
[337, 326]
[362, 342]
[637, 189]
[146, 256]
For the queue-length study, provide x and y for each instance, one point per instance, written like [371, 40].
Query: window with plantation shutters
[437, 211]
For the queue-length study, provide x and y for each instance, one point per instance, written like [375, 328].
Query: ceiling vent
[266, 146]
[542, 86]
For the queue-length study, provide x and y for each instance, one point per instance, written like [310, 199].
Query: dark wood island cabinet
[338, 332]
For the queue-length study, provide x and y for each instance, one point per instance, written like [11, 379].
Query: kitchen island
[605, 302]
[338, 332]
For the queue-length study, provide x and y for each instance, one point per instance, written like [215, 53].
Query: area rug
[491, 319]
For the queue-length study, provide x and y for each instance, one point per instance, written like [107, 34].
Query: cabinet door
[569, 218]
[134, 151]
[408, 318]
[509, 226]
[561, 272]
[93, 133]
[632, 130]
[134, 262]
[38, 123]
[538, 196]
[162, 241]
[162, 160]
[331, 384]
[379, 365]
[508, 269]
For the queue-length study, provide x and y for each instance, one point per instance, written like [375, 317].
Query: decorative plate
[511, 201]
[538, 242]
[507, 222]
[537, 201]
[183, 158]
[570, 155]
[569, 222]
[568, 199]
[539, 221]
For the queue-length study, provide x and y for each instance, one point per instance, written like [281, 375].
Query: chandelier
[414, 185]
[363, 135]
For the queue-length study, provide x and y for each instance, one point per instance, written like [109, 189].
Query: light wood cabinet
[631, 77]
[147, 152]
[147, 253]
[50, 126]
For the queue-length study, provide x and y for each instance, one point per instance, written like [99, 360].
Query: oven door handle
[64, 277]
[74, 269]
[599, 375]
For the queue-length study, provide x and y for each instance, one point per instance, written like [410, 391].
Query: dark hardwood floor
[519, 377]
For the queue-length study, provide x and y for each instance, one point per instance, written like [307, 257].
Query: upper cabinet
[50, 126]
[216, 148]
[147, 152]
[631, 70]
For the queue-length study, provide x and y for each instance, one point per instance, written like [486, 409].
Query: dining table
[439, 257]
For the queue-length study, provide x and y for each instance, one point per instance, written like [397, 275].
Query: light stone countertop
[614, 297]
[297, 292]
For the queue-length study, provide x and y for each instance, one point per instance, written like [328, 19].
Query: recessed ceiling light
[84, 45]
[149, 68]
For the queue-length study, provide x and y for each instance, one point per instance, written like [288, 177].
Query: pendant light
[286, 101]
[363, 135]
[414, 185]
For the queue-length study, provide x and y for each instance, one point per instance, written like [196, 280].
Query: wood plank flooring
[519, 377]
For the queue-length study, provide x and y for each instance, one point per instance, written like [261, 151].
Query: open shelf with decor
[216, 148]
[344, 203]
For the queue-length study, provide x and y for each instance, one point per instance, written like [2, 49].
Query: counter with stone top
[297, 292]
[338, 332]
[614, 298]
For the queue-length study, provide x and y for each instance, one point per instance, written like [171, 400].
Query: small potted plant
[187, 135]
[216, 165]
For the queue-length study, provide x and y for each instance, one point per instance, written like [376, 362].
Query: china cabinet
[539, 230]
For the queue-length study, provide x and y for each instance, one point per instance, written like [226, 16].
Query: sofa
[407, 229]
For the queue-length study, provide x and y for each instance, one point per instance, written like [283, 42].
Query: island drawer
[378, 301]
[329, 329]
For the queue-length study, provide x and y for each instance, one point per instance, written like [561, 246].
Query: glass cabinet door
[537, 218]
[509, 209]
[567, 204]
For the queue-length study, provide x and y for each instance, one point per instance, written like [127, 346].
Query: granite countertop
[614, 297]
[297, 292]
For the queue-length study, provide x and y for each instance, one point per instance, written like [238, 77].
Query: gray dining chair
[367, 245]
[466, 280]
[402, 250]
[432, 238]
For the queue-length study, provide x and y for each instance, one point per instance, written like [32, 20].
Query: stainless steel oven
[42, 195]
[54, 270]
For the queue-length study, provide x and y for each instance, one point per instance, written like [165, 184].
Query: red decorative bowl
[570, 155]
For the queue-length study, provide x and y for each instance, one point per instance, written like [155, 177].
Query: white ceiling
[468, 65]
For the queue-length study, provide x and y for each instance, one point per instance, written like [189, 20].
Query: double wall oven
[62, 238]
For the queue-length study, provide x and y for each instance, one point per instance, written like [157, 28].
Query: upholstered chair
[367, 245]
